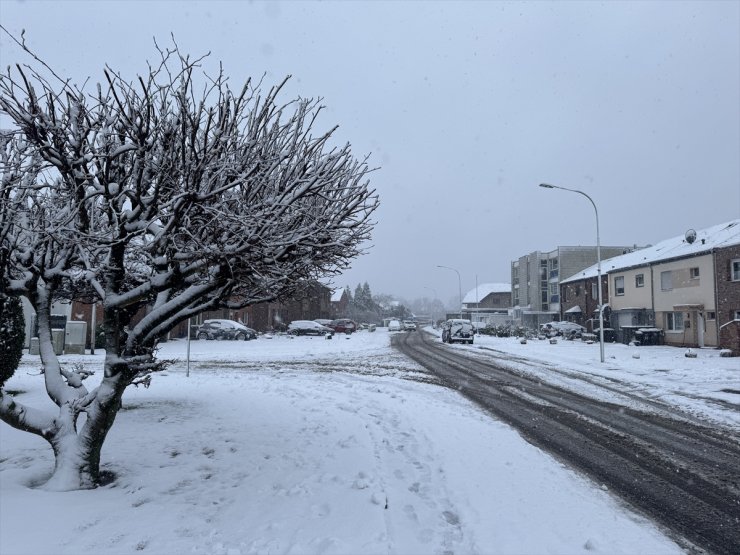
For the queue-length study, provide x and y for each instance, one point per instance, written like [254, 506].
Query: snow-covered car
[394, 325]
[409, 325]
[308, 327]
[343, 325]
[457, 330]
[225, 329]
[562, 328]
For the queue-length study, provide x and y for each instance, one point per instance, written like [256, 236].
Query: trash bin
[57, 339]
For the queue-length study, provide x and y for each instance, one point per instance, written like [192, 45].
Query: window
[735, 270]
[737, 315]
[640, 280]
[674, 321]
[711, 315]
[554, 296]
[694, 273]
[666, 281]
[594, 290]
[553, 268]
[619, 286]
[565, 294]
[578, 290]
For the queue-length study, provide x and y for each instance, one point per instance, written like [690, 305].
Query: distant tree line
[364, 307]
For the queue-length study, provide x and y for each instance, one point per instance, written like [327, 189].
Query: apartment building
[536, 277]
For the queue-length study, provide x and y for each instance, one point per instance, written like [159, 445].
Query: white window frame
[619, 289]
[735, 269]
[694, 272]
[674, 322]
[666, 280]
[711, 315]
[640, 280]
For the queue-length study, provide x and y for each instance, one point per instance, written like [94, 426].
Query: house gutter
[716, 298]
[652, 294]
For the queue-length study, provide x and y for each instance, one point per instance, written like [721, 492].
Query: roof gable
[485, 289]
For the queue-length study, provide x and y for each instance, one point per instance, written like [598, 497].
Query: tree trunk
[77, 455]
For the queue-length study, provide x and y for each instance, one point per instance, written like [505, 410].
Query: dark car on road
[457, 331]
[308, 327]
[225, 329]
[343, 325]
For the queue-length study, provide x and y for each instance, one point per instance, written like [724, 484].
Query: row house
[579, 299]
[686, 286]
[311, 302]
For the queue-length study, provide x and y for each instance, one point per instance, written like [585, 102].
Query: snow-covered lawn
[313, 446]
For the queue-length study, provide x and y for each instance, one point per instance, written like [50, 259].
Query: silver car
[456, 330]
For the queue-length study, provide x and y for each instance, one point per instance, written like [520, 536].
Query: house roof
[336, 296]
[721, 235]
[485, 289]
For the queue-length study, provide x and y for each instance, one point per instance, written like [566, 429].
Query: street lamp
[459, 285]
[431, 308]
[598, 262]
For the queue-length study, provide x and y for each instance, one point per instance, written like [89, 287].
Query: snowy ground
[313, 446]
[707, 386]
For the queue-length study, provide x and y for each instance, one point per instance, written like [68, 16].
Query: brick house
[312, 302]
[339, 304]
[579, 298]
[727, 279]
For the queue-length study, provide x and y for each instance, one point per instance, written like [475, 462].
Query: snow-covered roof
[336, 296]
[721, 235]
[573, 310]
[485, 289]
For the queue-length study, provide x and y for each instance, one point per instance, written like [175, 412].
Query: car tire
[203, 336]
[241, 336]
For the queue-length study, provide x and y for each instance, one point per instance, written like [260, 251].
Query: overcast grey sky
[466, 107]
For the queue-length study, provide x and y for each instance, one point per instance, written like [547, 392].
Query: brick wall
[728, 298]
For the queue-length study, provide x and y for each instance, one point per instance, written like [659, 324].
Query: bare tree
[163, 196]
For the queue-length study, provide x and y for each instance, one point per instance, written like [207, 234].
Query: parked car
[225, 329]
[394, 325]
[343, 325]
[456, 330]
[568, 329]
[308, 327]
[323, 321]
[409, 325]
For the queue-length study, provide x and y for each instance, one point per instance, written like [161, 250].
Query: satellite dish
[690, 236]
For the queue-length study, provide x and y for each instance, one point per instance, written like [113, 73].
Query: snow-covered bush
[12, 335]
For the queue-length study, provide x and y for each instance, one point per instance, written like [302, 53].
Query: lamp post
[459, 285]
[598, 261]
[431, 309]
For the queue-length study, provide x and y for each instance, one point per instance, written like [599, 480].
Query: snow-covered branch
[162, 202]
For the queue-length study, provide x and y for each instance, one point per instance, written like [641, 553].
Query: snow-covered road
[306, 446]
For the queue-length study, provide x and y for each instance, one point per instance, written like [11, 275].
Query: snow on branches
[167, 195]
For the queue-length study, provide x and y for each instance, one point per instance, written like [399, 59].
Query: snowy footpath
[289, 446]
